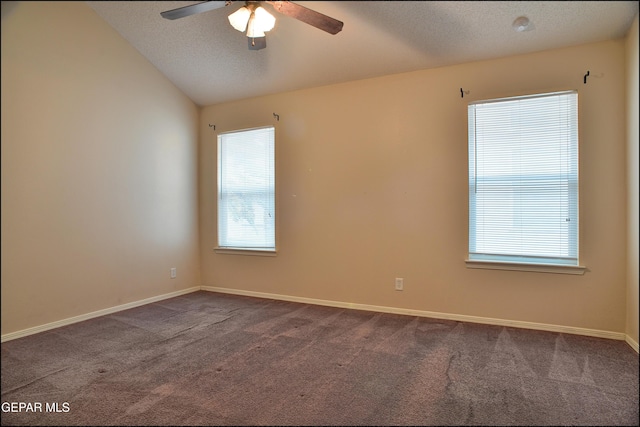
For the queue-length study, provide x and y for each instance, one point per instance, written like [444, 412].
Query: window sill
[242, 251]
[514, 266]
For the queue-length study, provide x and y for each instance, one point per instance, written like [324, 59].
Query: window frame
[245, 250]
[514, 261]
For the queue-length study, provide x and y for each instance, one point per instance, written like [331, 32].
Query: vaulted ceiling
[210, 61]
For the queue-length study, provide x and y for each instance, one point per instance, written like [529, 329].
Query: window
[523, 182]
[246, 190]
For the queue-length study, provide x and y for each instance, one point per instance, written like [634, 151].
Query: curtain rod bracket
[212, 126]
[462, 92]
[277, 116]
[585, 77]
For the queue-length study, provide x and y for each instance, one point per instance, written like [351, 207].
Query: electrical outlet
[399, 283]
[173, 273]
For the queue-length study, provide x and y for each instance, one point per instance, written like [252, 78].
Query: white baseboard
[432, 314]
[82, 317]
[329, 303]
[632, 343]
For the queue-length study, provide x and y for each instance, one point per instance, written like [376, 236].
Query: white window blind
[246, 189]
[523, 179]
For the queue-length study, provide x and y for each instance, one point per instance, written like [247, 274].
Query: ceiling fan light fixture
[255, 20]
[260, 21]
[254, 30]
[240, 18]
[264, 19]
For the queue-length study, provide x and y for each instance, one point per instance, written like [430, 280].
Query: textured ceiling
[210, 62]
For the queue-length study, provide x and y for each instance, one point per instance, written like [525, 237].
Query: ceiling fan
[253, 18]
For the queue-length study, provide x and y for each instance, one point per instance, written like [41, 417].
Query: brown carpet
[216, 359]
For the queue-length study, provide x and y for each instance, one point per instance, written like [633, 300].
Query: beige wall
[633, 188]
[99, 179]
[372, 185]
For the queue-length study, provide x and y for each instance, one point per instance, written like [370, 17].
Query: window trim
[514, 264]
[253, 251]
[245, 251]
[523, 266]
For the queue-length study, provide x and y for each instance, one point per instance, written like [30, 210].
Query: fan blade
[311, 17]
[206, 6]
